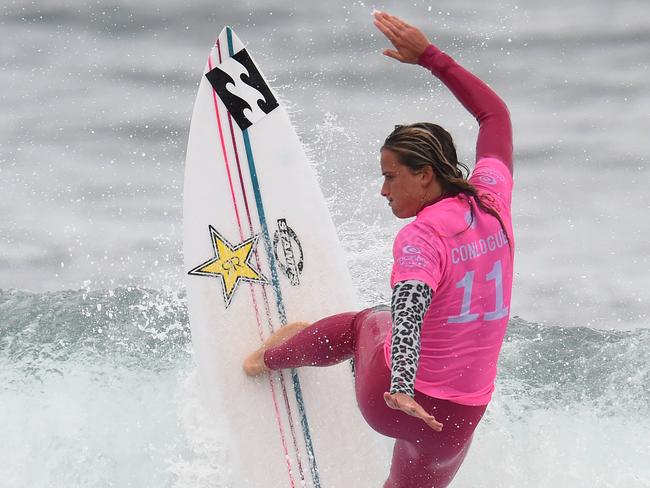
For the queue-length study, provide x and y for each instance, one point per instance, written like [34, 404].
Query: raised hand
[409, 41]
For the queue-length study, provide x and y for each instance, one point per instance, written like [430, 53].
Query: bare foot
[254, 364]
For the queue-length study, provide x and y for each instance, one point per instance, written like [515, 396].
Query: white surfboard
[261, 250]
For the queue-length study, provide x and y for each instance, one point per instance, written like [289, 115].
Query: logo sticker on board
[242, 89]
[291, 260]
[231, 264]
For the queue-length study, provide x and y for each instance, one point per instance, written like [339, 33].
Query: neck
[430, 200]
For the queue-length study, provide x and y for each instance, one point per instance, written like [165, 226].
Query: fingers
[434, 424]
[389, 28]
[394, 24]
[409, 406]
[393, 54]
[386, 29]
[399, 23]
[430, 420]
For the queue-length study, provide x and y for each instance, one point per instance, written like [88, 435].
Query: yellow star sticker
[230, 264]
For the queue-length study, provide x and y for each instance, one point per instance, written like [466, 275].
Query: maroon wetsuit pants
[422, 457]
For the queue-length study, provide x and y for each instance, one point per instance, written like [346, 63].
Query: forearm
[409, 303]
[491, 113]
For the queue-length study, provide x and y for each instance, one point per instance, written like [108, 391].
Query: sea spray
[98, 388]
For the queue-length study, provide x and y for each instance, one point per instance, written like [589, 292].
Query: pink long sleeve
[495, 129]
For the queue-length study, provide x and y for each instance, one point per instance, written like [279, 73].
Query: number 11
[467, 284]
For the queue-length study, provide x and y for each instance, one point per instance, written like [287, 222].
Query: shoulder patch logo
[242, 89]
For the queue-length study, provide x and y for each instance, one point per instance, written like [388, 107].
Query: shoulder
[491, 170]
[492, 176]
[420, 231]
[418, 254]
[419, 240]
[446, 217]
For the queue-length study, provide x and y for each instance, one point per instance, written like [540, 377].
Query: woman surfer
[433, 355]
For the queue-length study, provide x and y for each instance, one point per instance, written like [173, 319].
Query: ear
[427, 176]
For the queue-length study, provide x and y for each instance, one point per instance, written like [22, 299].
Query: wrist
[398, 385]
[426, 57]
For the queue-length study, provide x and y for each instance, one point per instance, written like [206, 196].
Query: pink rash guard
[463, 254]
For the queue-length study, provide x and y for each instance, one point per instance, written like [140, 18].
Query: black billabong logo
[242, 89]
[291, 264]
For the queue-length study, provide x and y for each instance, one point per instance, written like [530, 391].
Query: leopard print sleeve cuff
[409, 303]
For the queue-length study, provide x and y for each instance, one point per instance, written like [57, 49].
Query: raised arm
[491, 113]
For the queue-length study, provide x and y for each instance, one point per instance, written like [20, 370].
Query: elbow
[497, 113]
[502, 112]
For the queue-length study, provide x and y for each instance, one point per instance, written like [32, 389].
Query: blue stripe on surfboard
[275, 283]
[229, 36]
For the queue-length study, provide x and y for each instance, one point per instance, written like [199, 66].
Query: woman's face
[405, 190]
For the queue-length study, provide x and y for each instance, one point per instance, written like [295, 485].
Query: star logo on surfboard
[231, 264]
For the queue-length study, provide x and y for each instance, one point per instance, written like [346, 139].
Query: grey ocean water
[97, 384]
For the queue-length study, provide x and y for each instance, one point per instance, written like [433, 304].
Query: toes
[254, 364]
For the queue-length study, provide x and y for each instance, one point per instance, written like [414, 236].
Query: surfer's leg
[426, 458]
[421, 457]
[416, 467]
[372, 376]
[324, 343]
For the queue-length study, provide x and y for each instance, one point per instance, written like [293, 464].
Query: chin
[402, 214]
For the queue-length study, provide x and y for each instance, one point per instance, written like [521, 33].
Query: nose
[384, 190]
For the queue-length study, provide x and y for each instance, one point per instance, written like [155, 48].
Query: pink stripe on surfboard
[241, 235]
[267, 307]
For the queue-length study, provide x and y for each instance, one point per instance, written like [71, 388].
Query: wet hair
[425, 144]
